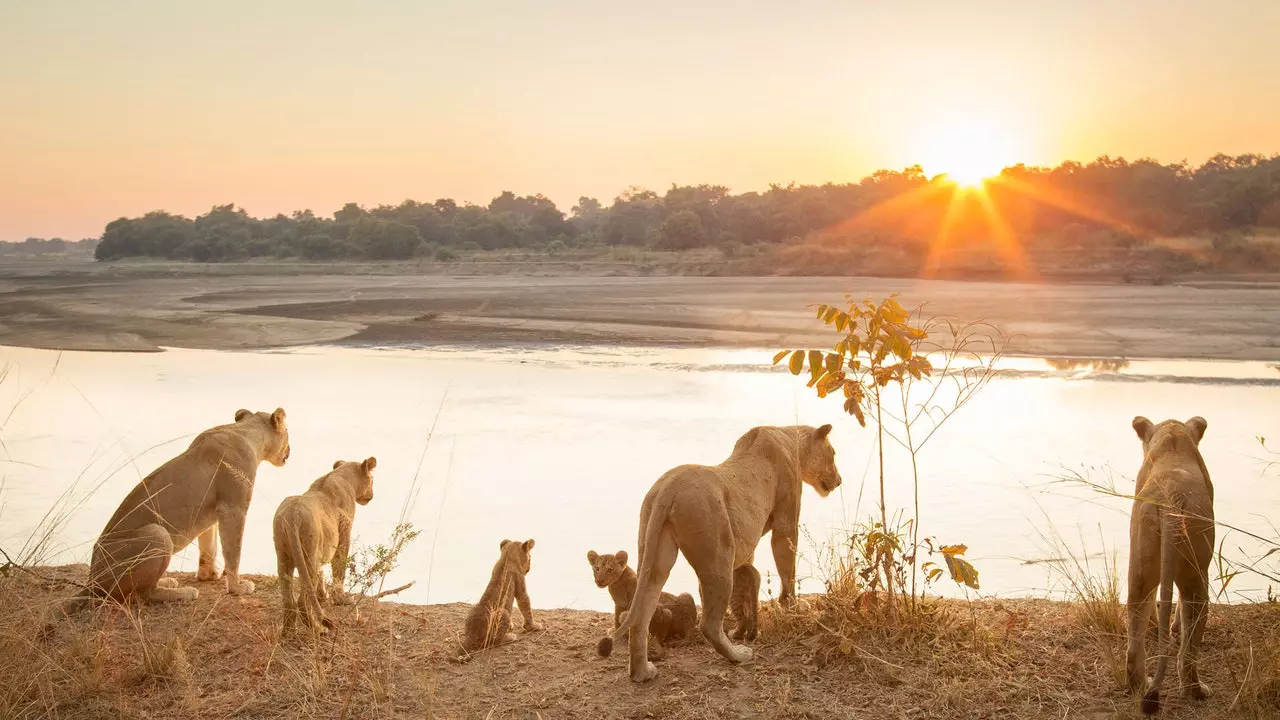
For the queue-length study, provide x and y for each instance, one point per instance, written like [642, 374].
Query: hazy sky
[117, 108]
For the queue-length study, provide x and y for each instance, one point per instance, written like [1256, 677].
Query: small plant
[369, 567]
[883, 354]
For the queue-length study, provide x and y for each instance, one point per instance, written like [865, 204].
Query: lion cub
[314, 528]
[744, 601]
[675, 618]
[489, 622]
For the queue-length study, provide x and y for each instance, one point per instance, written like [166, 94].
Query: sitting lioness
[675, 618]
[1171, 543]
[203, 492]
[489, 622]
[716, 516]
[314, 528]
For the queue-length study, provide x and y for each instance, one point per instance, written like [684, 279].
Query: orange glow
[968, 149]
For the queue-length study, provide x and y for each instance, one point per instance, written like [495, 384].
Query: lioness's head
[517, 552]
[607, 568]
[361, 476]
[276, 451]
[818, 462]
[1158, 436]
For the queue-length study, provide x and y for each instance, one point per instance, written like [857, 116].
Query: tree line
[1107, 201]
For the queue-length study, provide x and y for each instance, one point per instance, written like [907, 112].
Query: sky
[111, 109]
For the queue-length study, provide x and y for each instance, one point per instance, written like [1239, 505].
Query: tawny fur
[203, 492]
[715, 516]
[312, 529]
[1171, 535]
[489, 622]
[744, 602]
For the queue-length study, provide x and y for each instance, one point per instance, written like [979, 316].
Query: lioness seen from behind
[1171, 535]
[314, 528]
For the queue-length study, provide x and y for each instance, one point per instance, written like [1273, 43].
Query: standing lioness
[204, 492]
[1170, 543]
[716, 516]
[314, 528]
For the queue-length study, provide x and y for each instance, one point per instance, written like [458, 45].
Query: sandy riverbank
[220, 657]
[147, 307]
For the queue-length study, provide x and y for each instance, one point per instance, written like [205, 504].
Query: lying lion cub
[201, 493]
[675, 618]
[744, 602]
[489, 622]
[1171, 543]
[314, 528]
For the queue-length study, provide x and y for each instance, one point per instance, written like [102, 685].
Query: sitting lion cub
[489, 622]
[675, 618]
[314, 528]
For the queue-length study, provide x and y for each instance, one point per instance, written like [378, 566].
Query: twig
[392, 591]
[9, 564]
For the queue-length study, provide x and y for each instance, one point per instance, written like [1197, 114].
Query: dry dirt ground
[220, 657]
[149, 306]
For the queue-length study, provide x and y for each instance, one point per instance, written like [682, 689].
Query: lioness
[314, 528]
[489, 622]
[716, 516]
[203, 492]
[1171, 543]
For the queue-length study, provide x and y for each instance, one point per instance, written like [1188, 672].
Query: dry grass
[221, 657]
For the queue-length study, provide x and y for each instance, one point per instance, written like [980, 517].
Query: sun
[967, 150]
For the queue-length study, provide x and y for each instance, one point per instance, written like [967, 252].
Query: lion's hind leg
[654, 570]
[714, 567]
[131, 565]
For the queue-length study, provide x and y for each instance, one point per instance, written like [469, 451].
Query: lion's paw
[185, 594]
[240, 587]
[339, 597]
[167, 583]
[644, 673]
[534, 627]
[207, 574]
[740, 654]
[1199, 691]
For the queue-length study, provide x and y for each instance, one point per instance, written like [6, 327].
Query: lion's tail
[652, 530]
[1168, 562]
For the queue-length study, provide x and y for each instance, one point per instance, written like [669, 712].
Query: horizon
[115, 111]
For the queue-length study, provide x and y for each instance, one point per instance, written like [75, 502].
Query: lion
[672, 621]
[744, 601]
[716, 516]
[1171, 535]
[314, 528]
[489, 622]
[675, 618]
[203, 492]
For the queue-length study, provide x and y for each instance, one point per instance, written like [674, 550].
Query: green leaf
[781, 354]
[833, 362]
[842, 321]
[829, 315]
[797, 362]
[815, 364]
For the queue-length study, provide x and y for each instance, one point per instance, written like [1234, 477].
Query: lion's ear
[277, 419]
[1142, 426]
[241, 414]
[503, 545]
[1197, 425]
[622, 556]
[822, 432]
[369, 464]
[592, 556]
[528, 545]
[336, 463]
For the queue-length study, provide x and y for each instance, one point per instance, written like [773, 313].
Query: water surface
[560, 444]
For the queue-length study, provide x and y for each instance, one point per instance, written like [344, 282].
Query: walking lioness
[716, 516]
[204, 492]
[314, 528]
[1170, 543]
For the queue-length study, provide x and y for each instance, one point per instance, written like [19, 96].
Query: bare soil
[221, 657]
[149, 306]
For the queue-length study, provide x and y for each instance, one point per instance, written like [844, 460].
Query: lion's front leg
[231, 529]
[338, 567]
[783, 542]
[526, 608]
[208, 567]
